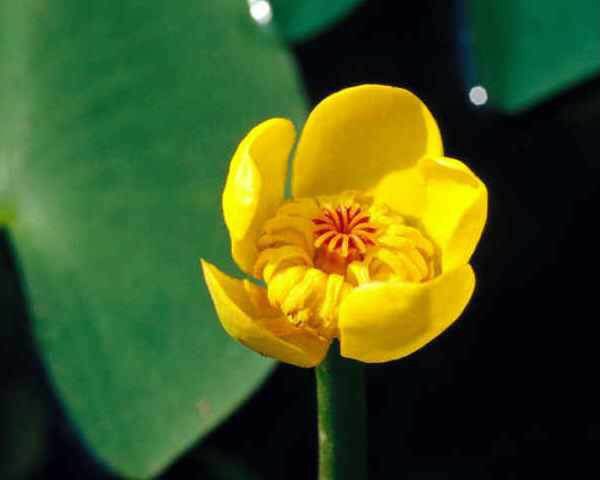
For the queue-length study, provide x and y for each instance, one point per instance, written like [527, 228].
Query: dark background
[509, 390]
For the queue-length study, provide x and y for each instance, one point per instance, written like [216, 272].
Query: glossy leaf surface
[528, 52]
[119, 120]
[299, 20]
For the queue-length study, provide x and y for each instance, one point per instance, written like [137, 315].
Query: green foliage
[298, 20]
[529, 51]
[119, 119]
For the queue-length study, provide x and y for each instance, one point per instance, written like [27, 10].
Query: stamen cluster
[345, 231]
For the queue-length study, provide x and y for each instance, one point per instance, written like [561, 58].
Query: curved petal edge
[255, 185]
[456, 209]
[245, 314]
[356, 136]
[380, 322]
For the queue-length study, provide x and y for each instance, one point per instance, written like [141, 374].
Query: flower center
[314, 251]
[342, 235]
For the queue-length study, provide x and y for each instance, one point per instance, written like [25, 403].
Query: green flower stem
[342, 418]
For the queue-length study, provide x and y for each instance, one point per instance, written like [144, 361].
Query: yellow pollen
[342, 236]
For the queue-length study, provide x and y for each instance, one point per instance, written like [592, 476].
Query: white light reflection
[478, 96]
[261, 11]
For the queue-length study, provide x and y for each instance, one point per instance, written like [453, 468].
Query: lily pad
[119, 119]
[528, 52]
[299, 20]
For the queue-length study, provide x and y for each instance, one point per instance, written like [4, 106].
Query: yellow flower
[374, 247]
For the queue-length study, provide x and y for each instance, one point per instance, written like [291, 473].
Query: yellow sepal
[245, 313]
[255, 186]
[455, 211]
[355, 137]
[384, 321]
[404, 191]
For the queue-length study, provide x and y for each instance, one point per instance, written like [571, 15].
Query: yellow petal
[404, 191]
[244, 312]
[356, 136]
[380, 321]
[255, 185]
[456, 209]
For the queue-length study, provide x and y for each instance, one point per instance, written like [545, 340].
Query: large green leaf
[118, 121]
[527, 51]
[300, 19]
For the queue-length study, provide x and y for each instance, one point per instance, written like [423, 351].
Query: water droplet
[261, 11]
[478, 95]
